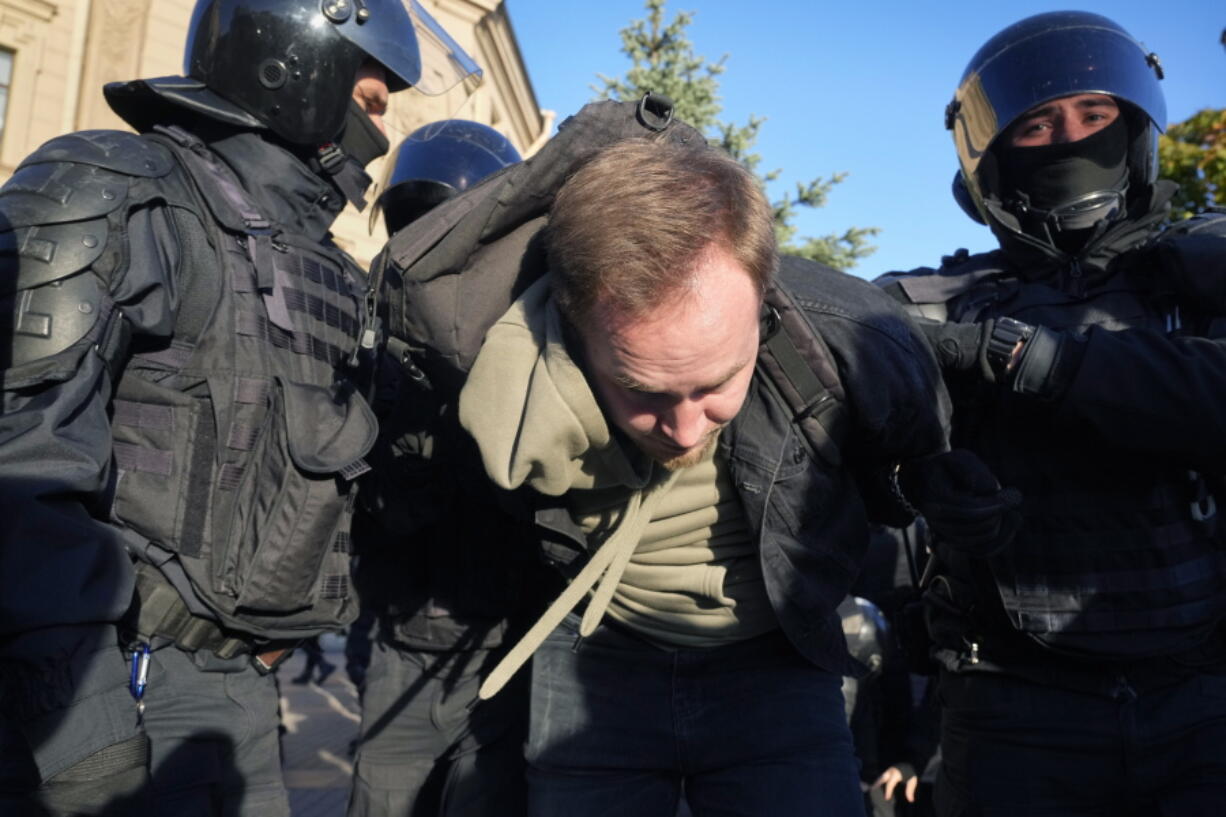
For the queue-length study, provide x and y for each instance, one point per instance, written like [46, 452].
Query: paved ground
[320, 721]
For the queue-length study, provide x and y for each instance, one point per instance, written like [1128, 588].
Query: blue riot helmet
[1036, 60]
[867, 632]
[437, 161]
[290, 64]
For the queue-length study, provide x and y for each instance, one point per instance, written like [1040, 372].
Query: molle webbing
[249, 391]
[141, 415]
[199, 479]
[260, 327]
[130, 457]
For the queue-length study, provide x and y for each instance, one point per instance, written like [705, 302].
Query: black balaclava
[361, 138]
[1061, 192]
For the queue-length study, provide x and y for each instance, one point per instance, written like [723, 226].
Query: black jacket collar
[280, 183]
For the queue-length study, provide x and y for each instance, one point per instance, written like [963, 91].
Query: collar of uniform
[284, 187]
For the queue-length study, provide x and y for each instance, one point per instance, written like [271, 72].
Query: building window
[6, 80]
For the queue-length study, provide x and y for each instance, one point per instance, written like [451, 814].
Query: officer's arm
[88, 277]
[1141, 390]
[409, 485]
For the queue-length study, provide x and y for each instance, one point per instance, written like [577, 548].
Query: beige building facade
[56, 55]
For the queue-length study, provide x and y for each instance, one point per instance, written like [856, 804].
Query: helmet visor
[444, 63]
[411, 45]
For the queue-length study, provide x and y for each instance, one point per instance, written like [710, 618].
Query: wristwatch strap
[1006, 334]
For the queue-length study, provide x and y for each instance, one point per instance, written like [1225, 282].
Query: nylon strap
[143, 415]
[796, 375]
[162, 614]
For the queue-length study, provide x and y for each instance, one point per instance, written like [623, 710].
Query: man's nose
[686, 423]
[1067, 130]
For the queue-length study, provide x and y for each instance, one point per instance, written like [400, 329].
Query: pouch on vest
[298, 502]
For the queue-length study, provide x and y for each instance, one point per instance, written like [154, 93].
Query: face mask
[361, 139]
[1069, 186]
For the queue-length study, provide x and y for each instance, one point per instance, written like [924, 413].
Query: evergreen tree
[663, 61]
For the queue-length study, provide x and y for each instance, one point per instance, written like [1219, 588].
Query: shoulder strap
[235, 211]
[1192, 259]
[1211, 222]
[225, 197]
[800, 369]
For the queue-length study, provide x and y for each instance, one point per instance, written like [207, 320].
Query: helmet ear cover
[1142, 148]
[963, 197]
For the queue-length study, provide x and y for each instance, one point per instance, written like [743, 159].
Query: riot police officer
[183, 419]
[437, 161]
[449, 586]
[1083, 664]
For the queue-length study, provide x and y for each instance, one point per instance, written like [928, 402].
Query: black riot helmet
[291, 64]
[437, 161]
[1043, 58]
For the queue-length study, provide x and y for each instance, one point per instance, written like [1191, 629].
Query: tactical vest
[238, 443]
[1120, 555]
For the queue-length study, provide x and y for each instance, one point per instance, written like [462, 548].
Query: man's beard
[691, 457]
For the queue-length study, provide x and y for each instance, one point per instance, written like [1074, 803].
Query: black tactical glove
[1028, 359]
[962, 502]
[960, 347]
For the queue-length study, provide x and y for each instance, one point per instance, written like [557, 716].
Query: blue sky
[858, 87]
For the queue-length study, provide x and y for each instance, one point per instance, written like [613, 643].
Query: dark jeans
[621, 727]
[1011, 747]
[425, 751]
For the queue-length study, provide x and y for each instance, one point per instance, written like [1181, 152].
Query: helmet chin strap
[361, 142]
[345, 173]
[1069, 228]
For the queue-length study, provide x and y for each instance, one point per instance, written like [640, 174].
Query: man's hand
[890, 779]
[962, 502]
